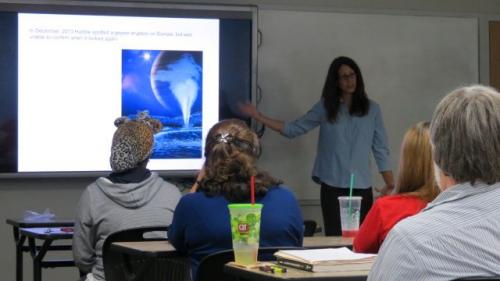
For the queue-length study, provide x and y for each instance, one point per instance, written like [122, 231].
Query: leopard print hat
[133, 141]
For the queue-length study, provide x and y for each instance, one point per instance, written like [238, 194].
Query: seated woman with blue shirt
[201, 223]
[350, 129]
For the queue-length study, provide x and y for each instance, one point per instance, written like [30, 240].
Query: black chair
[120, 267]
[212, 266]
[309, 228]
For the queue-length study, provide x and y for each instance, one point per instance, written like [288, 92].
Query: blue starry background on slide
[147, 71]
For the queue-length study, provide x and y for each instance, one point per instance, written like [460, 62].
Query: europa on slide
[169, 85]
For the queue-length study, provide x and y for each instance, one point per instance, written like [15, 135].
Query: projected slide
[77, 73]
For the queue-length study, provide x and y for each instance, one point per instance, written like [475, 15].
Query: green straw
[351, 186]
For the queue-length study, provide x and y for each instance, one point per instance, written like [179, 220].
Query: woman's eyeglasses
[346, 77]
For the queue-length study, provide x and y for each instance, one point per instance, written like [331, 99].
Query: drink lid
[244, 206]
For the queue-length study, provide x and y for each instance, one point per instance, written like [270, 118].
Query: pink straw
[252, 189]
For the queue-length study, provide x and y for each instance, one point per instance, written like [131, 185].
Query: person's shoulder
[155, 177]
[198, 198]
[93, 185]
[382, 201]
[92, 194]
[374, 106]
[98, 185]
[187, 201]
[418, 228]
[319, 105]
[203, 203]
[385, 200]
[164, 189]
[280, 197]
[398, 204]
[396, 199]
[405, 231]
[280, 191]
[170, 186]
[398, 254]
[413, 240]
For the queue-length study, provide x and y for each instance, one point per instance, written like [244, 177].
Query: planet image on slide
[168, 84]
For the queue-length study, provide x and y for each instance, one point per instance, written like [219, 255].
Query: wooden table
[47, 236]
[33, 230]
[145, 248]
[301, 275]
[157, 254]
[294, 274]
[157, 248]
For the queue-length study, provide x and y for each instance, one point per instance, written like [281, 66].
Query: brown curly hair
[231, 151]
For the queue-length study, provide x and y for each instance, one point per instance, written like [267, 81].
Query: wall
[18, 195]
[408, 64]
[61, 195]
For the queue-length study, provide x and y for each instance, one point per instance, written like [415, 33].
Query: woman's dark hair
[332, 93]
[230, 151]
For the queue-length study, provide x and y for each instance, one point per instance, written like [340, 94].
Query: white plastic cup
[350, 208]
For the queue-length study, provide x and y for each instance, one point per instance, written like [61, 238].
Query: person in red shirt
[415, 187]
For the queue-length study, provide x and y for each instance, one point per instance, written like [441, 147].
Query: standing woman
[351, 127]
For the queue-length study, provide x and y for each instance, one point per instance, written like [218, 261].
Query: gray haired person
[458, 234]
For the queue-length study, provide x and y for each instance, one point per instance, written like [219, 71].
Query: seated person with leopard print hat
[131, 196]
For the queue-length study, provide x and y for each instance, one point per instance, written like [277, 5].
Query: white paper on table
[327, 254]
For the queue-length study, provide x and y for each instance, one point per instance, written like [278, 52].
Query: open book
[322, 260]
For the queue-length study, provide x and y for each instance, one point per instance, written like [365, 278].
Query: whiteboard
[408, 64]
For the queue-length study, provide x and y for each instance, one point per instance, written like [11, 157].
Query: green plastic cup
[245, 230]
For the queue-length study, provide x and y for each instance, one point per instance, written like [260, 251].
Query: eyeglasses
[347, 76]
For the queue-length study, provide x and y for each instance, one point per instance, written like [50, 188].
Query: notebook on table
[324, 260]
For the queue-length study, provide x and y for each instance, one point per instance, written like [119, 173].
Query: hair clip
[224, 137]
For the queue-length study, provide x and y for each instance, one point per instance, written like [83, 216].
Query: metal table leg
[19, 253]
[38, 256]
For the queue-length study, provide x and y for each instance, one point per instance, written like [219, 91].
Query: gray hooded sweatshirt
[106, 207]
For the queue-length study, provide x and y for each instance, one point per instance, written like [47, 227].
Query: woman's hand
[389, 183]
[386, 190]
[249, 110]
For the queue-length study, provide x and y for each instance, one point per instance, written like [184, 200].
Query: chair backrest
[309, 228]
[117, 267]
[212, 266]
